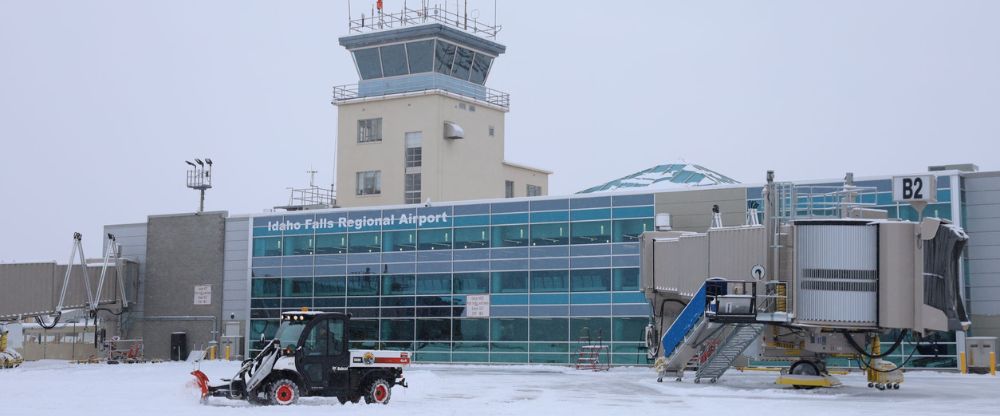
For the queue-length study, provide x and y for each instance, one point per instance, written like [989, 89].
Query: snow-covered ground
[59, 388]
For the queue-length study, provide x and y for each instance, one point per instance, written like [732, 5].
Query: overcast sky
[102, 101]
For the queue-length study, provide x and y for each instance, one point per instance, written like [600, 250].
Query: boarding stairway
[711, 332]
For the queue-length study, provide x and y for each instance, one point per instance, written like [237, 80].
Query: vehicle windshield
[288, 333]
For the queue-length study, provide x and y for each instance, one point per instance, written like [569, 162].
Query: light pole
[200, 177]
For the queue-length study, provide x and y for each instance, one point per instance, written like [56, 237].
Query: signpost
[917, 190]
[203, 294]
[477, 306]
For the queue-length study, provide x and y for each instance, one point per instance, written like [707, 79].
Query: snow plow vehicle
[309, 356]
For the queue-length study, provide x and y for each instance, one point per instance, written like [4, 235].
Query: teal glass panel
[264, 232]
[397, 330]
[432, 284]
[469, 357]
[626, 279]
[633, 212]
[400, 284]
[363, 285]
[472, 220]
[498, 357]
[591, 232]
[560, 346]
[510, 282]
[629, 359]
[399, 241]
[510, 236]
[590, 329]
[549, 281]
[472, 237]
[549, 216]
[500, 219]
[364, 243]
[434, 330]
[364, 330]
[549, 329]
[629, 329]
[331, 243]
[550, 299]
[629, 297]
[331, 286]
[266, 247]
[265, 288]
[434, 239]
[472, 283]
[541, 358]
[471, 330]
[550, 234]
[297, 287]
[590, 280]
[509, 329]
[590, 214]
[590, 298]
[508, 300]
[298, 246]
[628, 231]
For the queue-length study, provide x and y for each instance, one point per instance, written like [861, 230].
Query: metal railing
[342, 93]
[382, 20]
[313, 196]
[821, 201]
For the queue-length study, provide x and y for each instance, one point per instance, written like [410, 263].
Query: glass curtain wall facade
[554, 270]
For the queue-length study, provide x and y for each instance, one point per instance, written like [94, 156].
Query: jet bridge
[801, 287]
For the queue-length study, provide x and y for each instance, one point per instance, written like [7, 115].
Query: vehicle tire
[804, 368]
[379, 392]
[283, 392]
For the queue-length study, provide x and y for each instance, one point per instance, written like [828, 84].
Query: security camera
[232, 316]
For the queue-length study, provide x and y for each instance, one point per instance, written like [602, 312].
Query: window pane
[331, 286]
[549, 281]
[368, 63]
[592, 232]
[299, 245]
[472, 237]
[331, 244]
[420, 55]
[370, 130]
[266, 288]
[550, 329]
[297, 287]
[549, 234]
[513, 329]
[591, 280]
[443, 56]
[463, 63]
[398, 284]
[471, 330]
[626, 279]
[393, 60]
[510, 235]
[399, 241]
[364, 329]
[364, 243]
[480, 68]
[316, 341]
[510, 282]
[433, 329]
[590, 329]
[430, 284]
[472, 283]
[629, 329]
[630, 230]
[397, 329]
[263, 247]
[369, 182]
[435, 239]
[362, 285]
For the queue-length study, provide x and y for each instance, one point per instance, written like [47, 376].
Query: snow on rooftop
[668, 176]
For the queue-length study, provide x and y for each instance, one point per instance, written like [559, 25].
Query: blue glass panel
[263, 232]
[265, 272]
[590, 310]
[296, 271]
[502, 207]
[548, 310]
[549, 281]
[629, 297]
[394, 60]
[395, 223]
[510, 282]
[439, 255]
[420, 55]
[549, 216]
[510, 235]
[589, 262]
[550, 299]
[368, 63]
[266, 262]
[393, 241]
[334, 222]
[509, 264]
[399, 257]
[631, 200]
[590, 214]
[595, 202]
[473, 209]
[434, 267]
[632, 309]
[521, 218]
[549, 204]
[297, 261]
[508, 299]
[264, 247]
[362, 302]
[505, 311]
[433, 284]
[549, 263]
[590, 298]
[625, 261]
[264, 221]
[472, 220]
[470, 266]
[633, 212]
[330, 270]
[471, 254]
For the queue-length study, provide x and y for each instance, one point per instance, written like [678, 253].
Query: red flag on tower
[378, 5]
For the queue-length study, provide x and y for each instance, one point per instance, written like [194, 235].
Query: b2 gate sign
[916, 188]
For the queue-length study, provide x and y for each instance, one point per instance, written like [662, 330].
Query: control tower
[421, 124]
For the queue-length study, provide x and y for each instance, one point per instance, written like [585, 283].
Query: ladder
[588, 356]
[725, 354]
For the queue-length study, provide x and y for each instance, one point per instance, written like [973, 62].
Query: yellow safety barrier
[961, 363]
[993, 363]
[211, 352]
[228, 353]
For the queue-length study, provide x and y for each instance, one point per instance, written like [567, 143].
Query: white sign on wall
[477, 306]
[915, 188]
[203, 294]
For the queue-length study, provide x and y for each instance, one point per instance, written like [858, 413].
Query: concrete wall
[182, 251]
[522, 177]
[452, 169]
[692, 210]
[982, 209]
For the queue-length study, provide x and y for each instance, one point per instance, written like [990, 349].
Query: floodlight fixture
[199, 162]
[189, 162]
[209, 161]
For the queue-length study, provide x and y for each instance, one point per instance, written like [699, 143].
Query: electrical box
[977, 353]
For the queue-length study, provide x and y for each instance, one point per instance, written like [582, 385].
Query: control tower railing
[343, 93]
[376, 21]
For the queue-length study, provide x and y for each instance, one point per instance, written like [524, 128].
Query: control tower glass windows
[394, 60]
[444, 54]
[463, 64]
[480, 68]
[370, 130]
[368, 62]
[420, 55]
[369, 182]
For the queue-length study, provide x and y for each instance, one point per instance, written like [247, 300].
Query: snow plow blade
[202, 380]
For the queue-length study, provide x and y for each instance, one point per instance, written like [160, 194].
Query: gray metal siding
[982, 209]
[236, 280]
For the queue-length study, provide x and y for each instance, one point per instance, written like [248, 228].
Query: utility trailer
[309, 356]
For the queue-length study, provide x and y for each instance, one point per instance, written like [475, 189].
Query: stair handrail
[685, 321]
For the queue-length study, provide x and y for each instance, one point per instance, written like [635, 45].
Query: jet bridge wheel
[804, 368]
